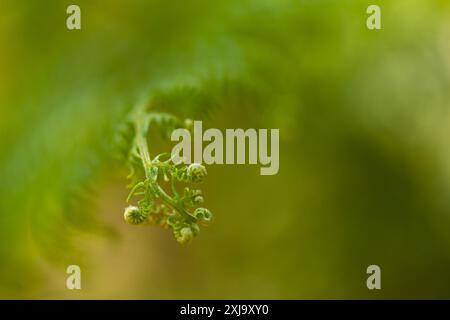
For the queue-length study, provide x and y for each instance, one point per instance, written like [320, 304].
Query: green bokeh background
[364, 147]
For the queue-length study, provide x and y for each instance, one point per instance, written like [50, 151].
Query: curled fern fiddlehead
[173, 210]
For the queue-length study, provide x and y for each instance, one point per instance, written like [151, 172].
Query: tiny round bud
[133, 215]
[203, 214]
[197, 197]
[185, 235]
[196, 172]
[197, 200]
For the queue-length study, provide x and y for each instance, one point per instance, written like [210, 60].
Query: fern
[173, 210]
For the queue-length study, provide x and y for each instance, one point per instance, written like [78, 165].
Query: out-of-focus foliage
[364, 162]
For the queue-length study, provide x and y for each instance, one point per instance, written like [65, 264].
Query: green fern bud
[197, 197]
[133, 215]
[203, 215]
[196, 172]
[185, 235]
[193, 197]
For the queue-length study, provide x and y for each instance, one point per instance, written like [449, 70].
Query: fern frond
[156, 206]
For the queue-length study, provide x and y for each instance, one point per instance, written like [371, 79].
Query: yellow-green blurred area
[364, 147]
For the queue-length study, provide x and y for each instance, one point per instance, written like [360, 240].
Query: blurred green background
[364, 147]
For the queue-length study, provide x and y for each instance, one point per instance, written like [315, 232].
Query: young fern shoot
[176, 210]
